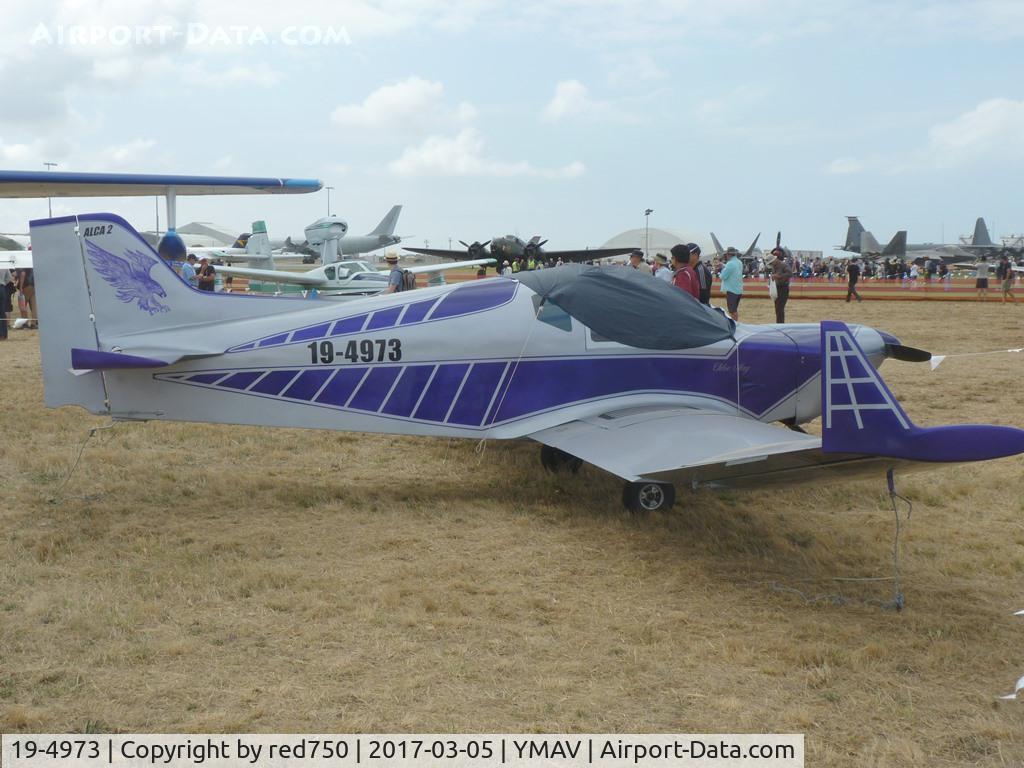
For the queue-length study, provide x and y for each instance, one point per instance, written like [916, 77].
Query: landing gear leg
[555, 460]
[648, 496]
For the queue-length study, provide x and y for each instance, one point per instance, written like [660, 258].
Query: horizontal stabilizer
[94, 360]
[861, 416]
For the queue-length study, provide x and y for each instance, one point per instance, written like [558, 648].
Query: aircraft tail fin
[897, 246]
[107, 301]
[853, 232]
[868, 243]
[981, 236]
[388, 223]
[719, 250]
[861, 416]
[750, 251]
[257, 248]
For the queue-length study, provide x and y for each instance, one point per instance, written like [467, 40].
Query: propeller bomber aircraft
[607, 366]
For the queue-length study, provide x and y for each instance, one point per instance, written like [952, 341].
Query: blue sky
[563, 118]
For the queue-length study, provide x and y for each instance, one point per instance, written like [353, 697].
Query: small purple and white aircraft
[606, 366]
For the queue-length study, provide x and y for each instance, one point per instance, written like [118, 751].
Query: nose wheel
[648, 496]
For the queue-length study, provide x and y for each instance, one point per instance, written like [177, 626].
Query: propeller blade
[541, 243]
[907, 354]
[484, 245]
[467, 245]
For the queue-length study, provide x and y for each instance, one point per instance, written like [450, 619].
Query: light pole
[328, 199]
[49, 206]
[647, 233]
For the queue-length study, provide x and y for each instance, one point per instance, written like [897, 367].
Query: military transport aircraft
[607, 366]
[512, 247]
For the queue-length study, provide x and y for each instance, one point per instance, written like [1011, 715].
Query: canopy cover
[629, 307]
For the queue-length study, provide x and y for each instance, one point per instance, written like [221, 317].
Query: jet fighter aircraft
[607, 366]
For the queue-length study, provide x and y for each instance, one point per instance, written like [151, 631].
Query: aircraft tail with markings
[105, 295]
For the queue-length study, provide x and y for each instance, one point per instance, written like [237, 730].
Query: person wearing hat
[396, 280]
[506, 270]
[684, 278]
[661, 268]
[636, 261]
[781, 273]
[703, 272]
[732, 282]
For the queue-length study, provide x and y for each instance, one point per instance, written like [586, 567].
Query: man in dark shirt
[853, 275]
[781, 272]
[703, 272]
[205, 275]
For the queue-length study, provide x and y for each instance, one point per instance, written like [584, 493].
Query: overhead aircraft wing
[428, 268]
[15, 259]
[274, 276]
[443, 253]
[61, 184]
[587, 255]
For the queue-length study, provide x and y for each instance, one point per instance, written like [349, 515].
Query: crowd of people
[687, 271]
[17, 288]
[695, 275]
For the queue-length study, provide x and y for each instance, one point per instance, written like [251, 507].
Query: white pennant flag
[1016, 690]
[936, 361]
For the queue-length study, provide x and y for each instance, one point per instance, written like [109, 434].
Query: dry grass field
[201, 578]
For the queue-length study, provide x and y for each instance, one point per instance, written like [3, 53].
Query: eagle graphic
[129, 276]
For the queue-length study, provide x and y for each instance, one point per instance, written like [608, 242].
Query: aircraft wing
[587, 255]
[274, 276]
[428, 268]
[61, 184]
[444, 253]
[719, 450]
[15, 259]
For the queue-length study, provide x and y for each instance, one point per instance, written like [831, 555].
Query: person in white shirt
[662, 271]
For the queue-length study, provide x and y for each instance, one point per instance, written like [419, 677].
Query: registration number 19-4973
[361, 351]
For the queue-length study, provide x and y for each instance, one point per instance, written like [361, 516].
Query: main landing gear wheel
[648, 496]
[555, 460]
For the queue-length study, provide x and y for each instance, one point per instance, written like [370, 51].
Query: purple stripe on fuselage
[375, 388]
[475, 297]
[340, 388]
[408, 389]
[438, 398]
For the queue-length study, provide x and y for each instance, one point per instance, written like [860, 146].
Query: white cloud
[993, 128]
[572, 100]
[463, 155]
[261, 74]
[844, 165]
[413, 100]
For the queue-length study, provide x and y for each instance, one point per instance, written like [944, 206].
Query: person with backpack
[396, 278]
[704, 276]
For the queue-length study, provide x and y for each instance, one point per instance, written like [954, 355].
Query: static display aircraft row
[863, 242]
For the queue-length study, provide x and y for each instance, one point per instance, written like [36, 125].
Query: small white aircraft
[328, 238]
[348, 279]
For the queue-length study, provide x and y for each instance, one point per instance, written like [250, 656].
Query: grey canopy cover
[629, 307]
